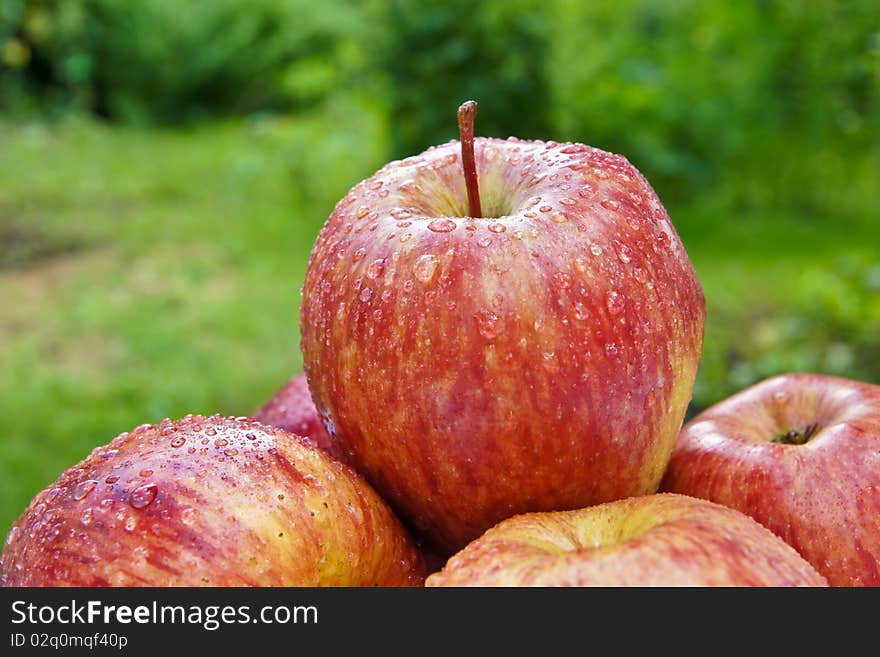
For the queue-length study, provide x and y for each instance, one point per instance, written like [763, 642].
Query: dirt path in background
[32, 293]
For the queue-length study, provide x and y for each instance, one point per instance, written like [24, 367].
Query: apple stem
[467, 111]
[795, 437]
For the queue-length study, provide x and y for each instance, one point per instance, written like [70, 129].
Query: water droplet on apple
[425, 268]
[624, 253]
[496, 227]
[567, 201]
[362, 212]
[534, 180]
[359, 254]
[130, 524]
[83, 488]
[376, 268]
[442, 225]
[221, 442]
[488, 324]
[611, 350]
[143, 496]
[188, 516]
[86, 516]
[587, 191]
[178, 441]
[112, 479]
[365, 295]
[663, 240]
[145, 473]
[558, 218]
[595, 249]
[210, 431]
[383, 193]
[610, 204]
[484, 242]
[549, 361]
[562, 280]
[545, 208]
[580, 311]
[406, 237]
[615, 302]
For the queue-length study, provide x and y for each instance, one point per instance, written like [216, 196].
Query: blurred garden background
[165, 167]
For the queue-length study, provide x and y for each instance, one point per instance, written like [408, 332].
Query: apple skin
[291, 408]
[475, 368]
[210, 501]
[822, 497]
[653, 540]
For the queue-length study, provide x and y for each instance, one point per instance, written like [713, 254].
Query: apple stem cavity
[795, 437]
[467, 111]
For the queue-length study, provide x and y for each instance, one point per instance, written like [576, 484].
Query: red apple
[209, 502]
[800, 453]
[531, 349]
[653, 540]
[291, 408]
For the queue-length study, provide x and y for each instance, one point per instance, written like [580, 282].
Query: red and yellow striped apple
[500, 326]
[209, 502]
[800, 453]
[652, 540]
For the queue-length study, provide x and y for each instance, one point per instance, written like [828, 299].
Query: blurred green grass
[146, 274]
[152, 273]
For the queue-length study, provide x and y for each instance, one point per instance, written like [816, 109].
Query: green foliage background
[165, 167]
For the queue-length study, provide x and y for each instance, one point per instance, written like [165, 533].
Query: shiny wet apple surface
[539, 356]
[209, 501]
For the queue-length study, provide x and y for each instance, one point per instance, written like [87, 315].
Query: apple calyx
[467, 111]
[795, 437]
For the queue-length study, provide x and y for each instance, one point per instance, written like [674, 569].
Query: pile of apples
[500, 340]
